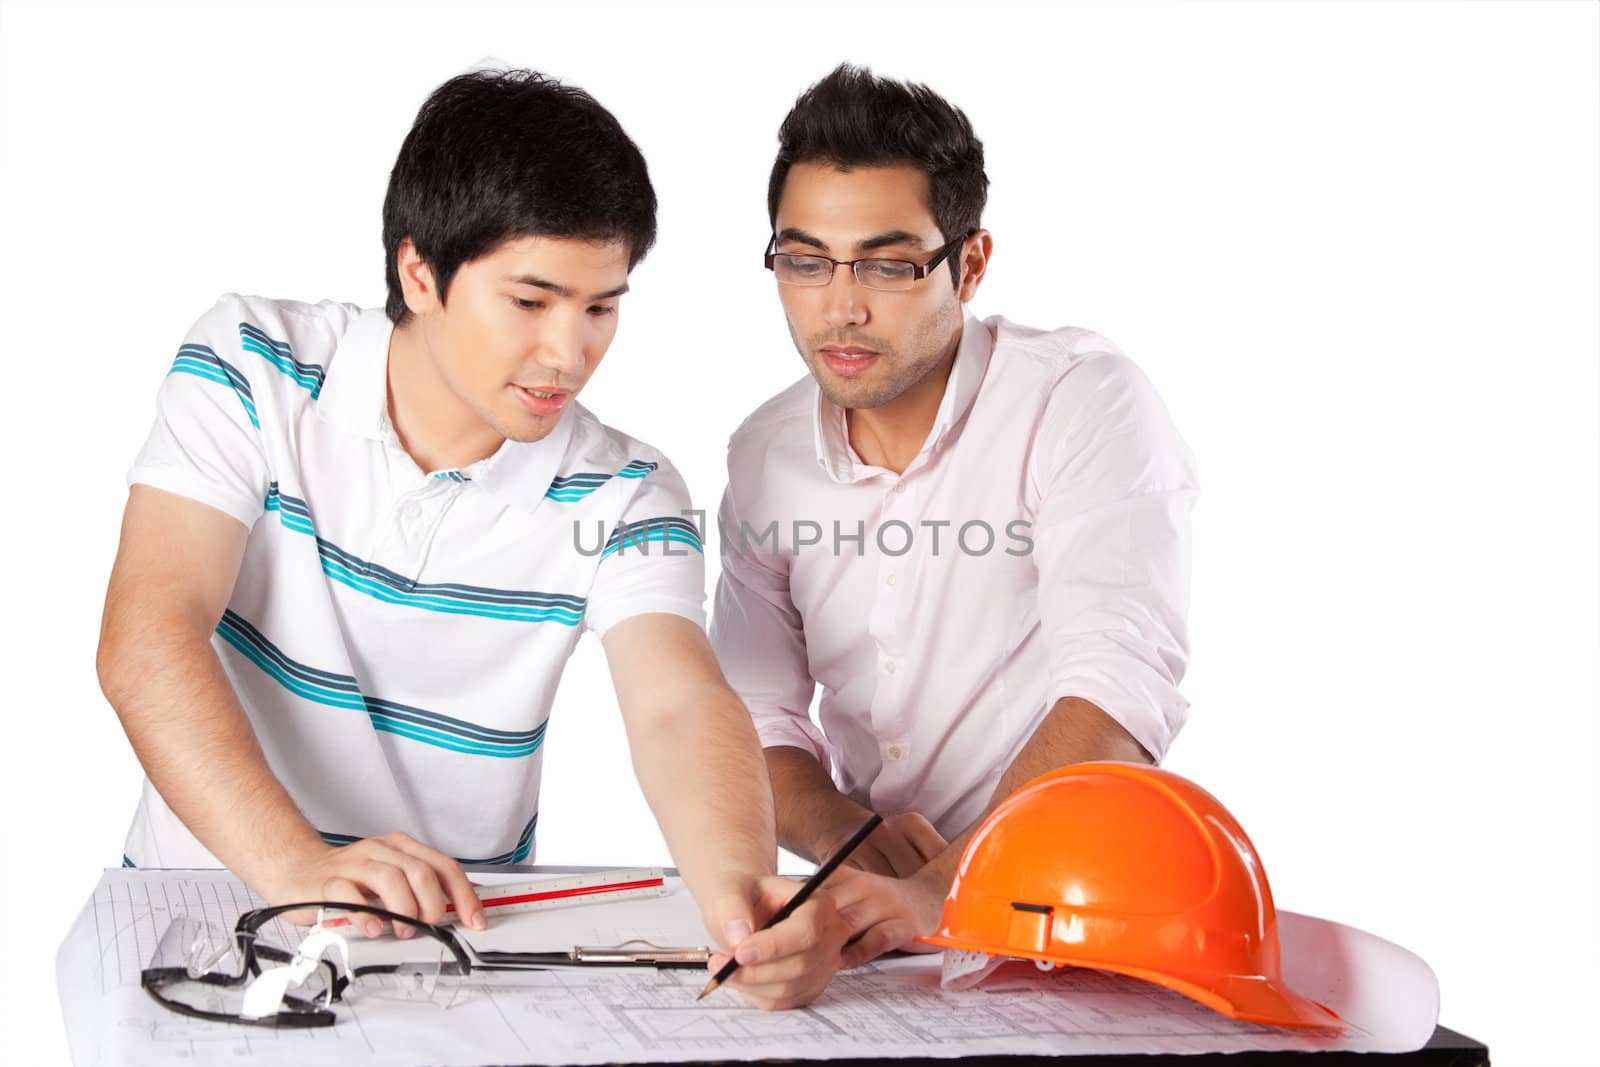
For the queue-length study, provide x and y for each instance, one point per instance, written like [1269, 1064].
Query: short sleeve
[206, 443]
[1112, 547]
[653, 559]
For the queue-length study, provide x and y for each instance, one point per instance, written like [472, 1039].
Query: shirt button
[895, 752]
[889, 580]
[889, 666]
[413, 511]
[899, 487]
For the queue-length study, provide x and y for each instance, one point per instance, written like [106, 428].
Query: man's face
[523, 328]
[865, 347]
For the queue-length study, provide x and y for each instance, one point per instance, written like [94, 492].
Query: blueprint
[892, 1008]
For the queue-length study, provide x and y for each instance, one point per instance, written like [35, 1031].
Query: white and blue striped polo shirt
[396, 635]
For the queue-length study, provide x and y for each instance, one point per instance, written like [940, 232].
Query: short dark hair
[500, 154]
[853, 118]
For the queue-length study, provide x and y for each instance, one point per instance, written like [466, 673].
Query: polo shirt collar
[831, 434]
[355, 390]
[355, 398]
[521, 471]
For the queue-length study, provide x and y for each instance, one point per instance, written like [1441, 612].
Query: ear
[416, 279]
[975, 253]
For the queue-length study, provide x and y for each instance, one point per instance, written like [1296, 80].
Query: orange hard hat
[1127, 868]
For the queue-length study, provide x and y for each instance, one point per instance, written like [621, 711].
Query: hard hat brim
[1248, 998]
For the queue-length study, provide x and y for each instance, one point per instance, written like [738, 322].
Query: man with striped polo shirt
[359, 547]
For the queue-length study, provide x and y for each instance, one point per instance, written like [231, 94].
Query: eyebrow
[889, 239]
[893, 237]
[562, 290]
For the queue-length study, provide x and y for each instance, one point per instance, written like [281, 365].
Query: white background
[1355, 246]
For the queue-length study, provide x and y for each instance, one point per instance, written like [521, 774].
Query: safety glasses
[266, 973]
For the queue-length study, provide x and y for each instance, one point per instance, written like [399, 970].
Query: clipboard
[634, 953]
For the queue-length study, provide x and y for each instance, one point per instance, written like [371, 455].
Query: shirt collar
[521, 471]
[355, 390]
[831, 433]
[355, 398]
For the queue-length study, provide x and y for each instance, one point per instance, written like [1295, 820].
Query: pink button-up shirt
[1036, 548]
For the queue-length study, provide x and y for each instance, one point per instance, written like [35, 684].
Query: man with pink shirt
[974, 535]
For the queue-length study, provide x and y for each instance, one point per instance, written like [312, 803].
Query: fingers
[869, 901]
[884, 913]
[797, 935]
[423, 885]
[441, 880]
[730, 916]
[904, 860]
[853, 889]
[345, 891]
[379, 872]
[791, 963]
[869, 858]
[883, 937]
[880, 914]
[900, 847]
[402, 875]
[921, 835]
[338, 890]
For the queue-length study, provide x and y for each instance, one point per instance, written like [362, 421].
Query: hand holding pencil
[744, 955]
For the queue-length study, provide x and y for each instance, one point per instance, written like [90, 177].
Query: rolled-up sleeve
[759, 638]
[1117, 485]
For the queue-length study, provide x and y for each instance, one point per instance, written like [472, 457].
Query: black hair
[853, 118]
[500, 154]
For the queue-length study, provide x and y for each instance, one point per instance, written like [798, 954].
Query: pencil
[799, 898]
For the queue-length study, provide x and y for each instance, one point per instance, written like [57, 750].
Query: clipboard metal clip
[639, 950]
[634, 953]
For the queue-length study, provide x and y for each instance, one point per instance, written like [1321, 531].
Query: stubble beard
[515, 423]
[523, 433]
[896, 371]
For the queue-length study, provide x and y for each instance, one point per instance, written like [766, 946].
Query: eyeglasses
[202, 972]
[890, 275]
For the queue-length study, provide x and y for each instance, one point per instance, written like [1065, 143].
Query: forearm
[1074, 731]
[191, 735]
[700, 768]
[812, 815]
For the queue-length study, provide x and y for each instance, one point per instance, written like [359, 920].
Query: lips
[542, 401]
[848, 360]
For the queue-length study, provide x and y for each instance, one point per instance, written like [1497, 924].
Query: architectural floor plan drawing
[895, 1007]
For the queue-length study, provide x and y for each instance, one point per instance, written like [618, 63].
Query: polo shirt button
[895, 752]
[889, 666]
[889, 581]
[413, 511]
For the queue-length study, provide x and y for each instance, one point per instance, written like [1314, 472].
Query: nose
[563, 345]
[846, 305]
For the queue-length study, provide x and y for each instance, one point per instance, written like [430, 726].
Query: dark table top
[1445, 1049]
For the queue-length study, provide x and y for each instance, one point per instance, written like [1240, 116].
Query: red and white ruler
[569, 890]
[563, 892]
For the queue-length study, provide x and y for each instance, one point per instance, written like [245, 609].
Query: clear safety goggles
[268, 972]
